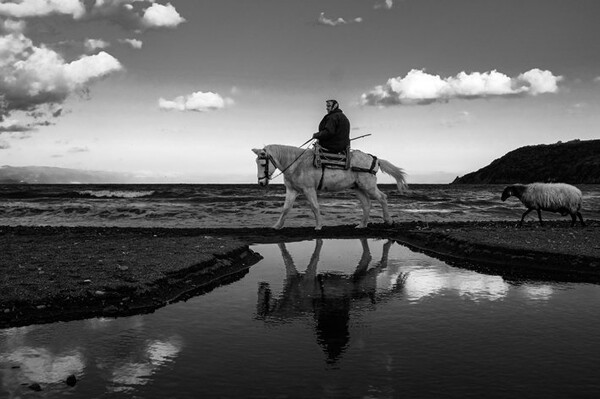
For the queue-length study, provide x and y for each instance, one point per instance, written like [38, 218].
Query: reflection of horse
[328, 296]
[301, 176]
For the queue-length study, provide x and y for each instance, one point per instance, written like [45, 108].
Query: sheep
[554, 197]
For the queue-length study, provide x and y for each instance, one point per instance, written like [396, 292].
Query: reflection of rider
[327, 295]
[334, 129]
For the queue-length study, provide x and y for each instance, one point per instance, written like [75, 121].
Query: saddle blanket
[358, 161]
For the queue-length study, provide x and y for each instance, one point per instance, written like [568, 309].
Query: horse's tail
[396, 172]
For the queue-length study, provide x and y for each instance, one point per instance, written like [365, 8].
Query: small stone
[87, 281]
[99, 293]
[35, 387]
[41, 307]
[71, 380]
[123, 268]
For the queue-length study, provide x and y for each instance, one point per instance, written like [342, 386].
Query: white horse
[301, 176]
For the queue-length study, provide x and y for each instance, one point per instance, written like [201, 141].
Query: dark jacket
[334, 131]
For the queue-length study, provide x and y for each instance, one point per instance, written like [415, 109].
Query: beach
[65, 273]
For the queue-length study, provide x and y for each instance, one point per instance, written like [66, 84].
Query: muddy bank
[60, 273]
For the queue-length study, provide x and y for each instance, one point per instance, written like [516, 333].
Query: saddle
[334, 160]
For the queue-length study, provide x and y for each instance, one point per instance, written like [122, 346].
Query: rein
[268, 156]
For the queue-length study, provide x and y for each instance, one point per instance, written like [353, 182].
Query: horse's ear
[256, 151]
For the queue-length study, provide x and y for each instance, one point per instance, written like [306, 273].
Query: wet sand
[64, 273]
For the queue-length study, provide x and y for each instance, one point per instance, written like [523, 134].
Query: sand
[65, 273]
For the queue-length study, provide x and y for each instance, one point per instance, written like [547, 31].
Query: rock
[35, 387]
[71, 380]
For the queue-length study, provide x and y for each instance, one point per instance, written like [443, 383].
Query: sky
[182, 90]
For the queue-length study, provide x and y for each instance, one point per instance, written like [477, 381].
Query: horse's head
[265, 166]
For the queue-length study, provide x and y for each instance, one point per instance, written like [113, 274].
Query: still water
[328, 319]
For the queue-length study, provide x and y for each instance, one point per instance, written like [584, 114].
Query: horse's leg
[365, 203]
[382, 199]
[311, 196]
[290, 197]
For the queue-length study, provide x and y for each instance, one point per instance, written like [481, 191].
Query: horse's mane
[285, 154]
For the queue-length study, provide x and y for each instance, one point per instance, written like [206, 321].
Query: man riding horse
[334, 129]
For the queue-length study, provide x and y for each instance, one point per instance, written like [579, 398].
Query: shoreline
[66, 273]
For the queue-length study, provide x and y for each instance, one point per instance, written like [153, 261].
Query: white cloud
[323, 20]
[32, 76]
[12, 26]
[158, 15]
[387, 4]
[537, 81]
[40, 8]
[419, 87]
[13, 125]
[198, 101]
[131, 14]
[95, 44]
[134, 43]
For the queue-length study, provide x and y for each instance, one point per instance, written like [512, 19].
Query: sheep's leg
[540, 217]
[523, 217]
[573, 219]
[580, 218]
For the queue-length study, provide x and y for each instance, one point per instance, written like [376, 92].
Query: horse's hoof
[360, 226]
[277, 227]
[318, 228]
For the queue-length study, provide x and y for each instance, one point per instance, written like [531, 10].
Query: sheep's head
[508, 191]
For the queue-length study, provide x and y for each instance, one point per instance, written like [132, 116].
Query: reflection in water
[117, 349]
[128, 375]
[328, 296]
[389, 322]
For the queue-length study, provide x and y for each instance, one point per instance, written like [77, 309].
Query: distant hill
[575, 162]
[51, 175]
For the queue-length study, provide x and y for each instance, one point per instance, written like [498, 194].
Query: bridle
[264, 160]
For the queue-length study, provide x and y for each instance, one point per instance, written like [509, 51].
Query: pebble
[35, 387]
[71, 380]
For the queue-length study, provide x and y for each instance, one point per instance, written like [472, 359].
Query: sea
[250, 205]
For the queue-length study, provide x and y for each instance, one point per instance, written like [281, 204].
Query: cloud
[134, 43]
[33, 76]
[92, 45]
[198, 101]
[13, 130]
[14, 126]
[136, 14]
[323, 20]
[41, 8]
[418, 87]
[158, 16]
[130, 14]
[12, 26]
[76, 150]
[387, 5]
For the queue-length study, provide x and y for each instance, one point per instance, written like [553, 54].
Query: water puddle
[360, 318]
